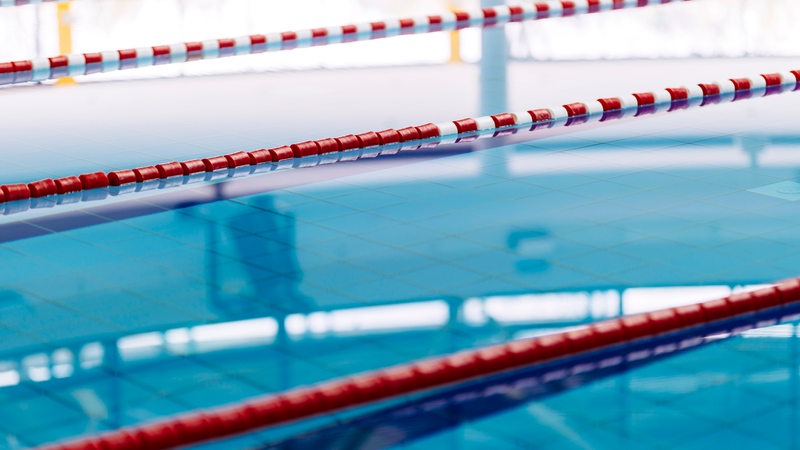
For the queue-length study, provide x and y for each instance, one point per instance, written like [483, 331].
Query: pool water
[121, 309]
[648, 401]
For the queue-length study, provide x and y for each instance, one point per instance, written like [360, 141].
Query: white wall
[701, 28]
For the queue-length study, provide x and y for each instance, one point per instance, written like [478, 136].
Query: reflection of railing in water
[417, 418]
[183, 350]
[518, 316]
[266, 321]
[739, 312]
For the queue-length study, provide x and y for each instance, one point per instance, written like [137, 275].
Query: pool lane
[143, 317]
[135, 319]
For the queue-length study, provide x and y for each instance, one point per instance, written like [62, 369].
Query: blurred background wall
[701, 28]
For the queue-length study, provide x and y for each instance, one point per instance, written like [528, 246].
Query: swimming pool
[124, 306]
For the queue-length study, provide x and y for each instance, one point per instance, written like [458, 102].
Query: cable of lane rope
[87, 63]
[603, 109]
[370, 387]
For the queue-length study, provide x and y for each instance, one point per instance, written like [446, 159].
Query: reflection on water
[302, 285]
[532, 246]
[275, 251]
[385, 270]
[519, 398]
[239, 295]
[12, 301]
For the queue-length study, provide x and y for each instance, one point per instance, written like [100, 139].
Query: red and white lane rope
[602, 109]
[88, 63]
[369, 387]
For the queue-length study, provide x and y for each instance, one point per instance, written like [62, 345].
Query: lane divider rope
[369, 387]
[88, 63]
[603, 109]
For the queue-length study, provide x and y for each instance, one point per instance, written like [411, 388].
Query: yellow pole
[455, 39]
[64, 36]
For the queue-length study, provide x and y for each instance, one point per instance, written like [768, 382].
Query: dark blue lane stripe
[419, 416]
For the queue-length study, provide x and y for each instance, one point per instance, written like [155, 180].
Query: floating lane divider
[88, 63]
[370, 387]
[603, 109]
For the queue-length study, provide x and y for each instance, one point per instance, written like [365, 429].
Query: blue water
[138, 306]
[640, 397]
